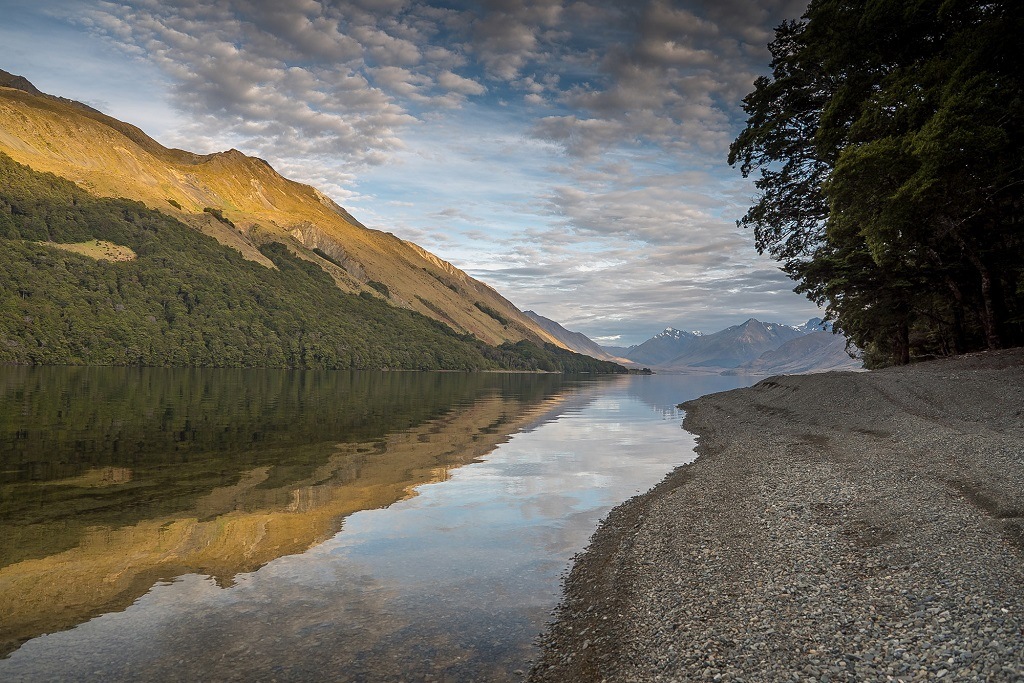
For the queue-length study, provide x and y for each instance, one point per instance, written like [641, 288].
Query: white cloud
[293, 80]
[456, 83]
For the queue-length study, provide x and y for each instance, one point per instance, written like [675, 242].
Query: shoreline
[839, 526]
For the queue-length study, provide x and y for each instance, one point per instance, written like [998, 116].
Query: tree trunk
[959, 338]
[901, 344]
[989, 316]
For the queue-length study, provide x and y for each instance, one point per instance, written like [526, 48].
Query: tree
[888, 142]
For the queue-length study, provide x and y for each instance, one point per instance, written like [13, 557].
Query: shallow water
[244, 525]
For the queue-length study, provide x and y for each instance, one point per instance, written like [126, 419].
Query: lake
[189, 524]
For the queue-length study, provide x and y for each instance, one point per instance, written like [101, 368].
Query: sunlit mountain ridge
[244, 203]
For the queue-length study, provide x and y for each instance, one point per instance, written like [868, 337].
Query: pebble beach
[835, 527]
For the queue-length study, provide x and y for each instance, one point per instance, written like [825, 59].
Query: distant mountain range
[752, 347]
[816, 351]
[734, 345]
[662, 348]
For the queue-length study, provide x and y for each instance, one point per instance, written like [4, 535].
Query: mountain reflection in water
[192, 517]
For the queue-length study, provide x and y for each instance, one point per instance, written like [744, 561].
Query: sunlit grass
[97, 249]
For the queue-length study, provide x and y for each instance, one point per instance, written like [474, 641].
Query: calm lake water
[271, 525]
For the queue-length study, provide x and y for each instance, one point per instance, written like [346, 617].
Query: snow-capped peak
[673, 333]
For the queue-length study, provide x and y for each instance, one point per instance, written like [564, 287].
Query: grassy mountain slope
[186, 300]
[575, 341]
[244, 204]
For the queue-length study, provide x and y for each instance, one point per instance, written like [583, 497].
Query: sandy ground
[843, 526]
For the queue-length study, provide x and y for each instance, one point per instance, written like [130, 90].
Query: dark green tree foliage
[502, 320]
[219, 215]
[327, 257]
[524, 355]
[380, 287]
[189, 301]
[889, 142]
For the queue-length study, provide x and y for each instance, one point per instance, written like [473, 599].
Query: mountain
[753, 347]
[106, 281]
[118, 251]
[8, 80]
[734, 345]
[813, 352]
[814, 325]
[574, 341]
[245, 204]
[728, 348]
[662, 347]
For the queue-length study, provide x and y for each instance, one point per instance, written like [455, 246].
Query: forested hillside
[186, 300]
[888, 145]
[244, 203]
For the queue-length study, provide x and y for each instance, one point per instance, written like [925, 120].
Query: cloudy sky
[571, 153]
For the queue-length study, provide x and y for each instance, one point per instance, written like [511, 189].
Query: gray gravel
[836, 527]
